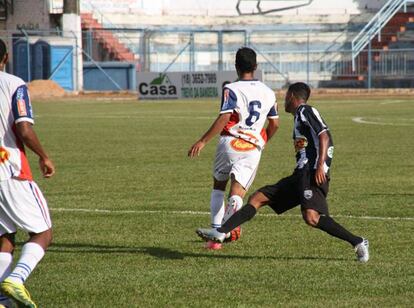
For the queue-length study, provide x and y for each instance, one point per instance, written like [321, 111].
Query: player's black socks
[246, 213]
[330, 226]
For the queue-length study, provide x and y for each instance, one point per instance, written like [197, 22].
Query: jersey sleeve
[312, 118]
[228, 101]
[273, 114]
[21, 106]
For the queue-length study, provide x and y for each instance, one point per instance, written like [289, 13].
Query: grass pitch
[124, 236]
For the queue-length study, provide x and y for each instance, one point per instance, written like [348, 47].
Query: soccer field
[126, 200]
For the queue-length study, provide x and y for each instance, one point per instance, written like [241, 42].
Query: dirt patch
[45, 89]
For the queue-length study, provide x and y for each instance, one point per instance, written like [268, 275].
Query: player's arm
[320, 176]
[215, 129]
[272, 127]
[315, 122]
[228, 105]
[27, 135]
[273, 122]
[23, 119]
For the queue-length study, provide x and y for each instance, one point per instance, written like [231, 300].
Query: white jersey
[251, 103]
[15, 107]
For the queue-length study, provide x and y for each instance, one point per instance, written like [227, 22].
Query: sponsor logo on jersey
[21, 108]
[300, 143]
[241, 145]
[308, 194]
[4, 155]
[226, 97]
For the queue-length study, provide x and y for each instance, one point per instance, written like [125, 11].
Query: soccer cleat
[361, 251]
[213, 245]
[234, 235]
[211, 235]
[18, 293]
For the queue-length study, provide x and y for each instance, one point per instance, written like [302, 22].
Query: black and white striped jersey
[307, 128]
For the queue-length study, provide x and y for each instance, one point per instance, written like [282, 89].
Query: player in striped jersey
[22, 204]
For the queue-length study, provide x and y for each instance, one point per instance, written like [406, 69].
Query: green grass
[120, 156]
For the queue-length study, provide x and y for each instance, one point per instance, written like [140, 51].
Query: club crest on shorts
[308, 194]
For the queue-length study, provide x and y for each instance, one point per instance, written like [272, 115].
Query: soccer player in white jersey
[246, 105]
[22, 204]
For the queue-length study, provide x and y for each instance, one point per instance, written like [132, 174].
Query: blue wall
[124, 74]
[64, 74]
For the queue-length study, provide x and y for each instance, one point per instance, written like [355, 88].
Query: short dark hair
[300, 90]
[246, 60]
[3, 49]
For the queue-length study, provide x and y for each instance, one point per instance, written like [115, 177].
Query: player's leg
[32, 252]
[216, 209]
[243, 173]
[29, 211]
[315, 213]
[329, 225]
[7, 244]
[247, 212]
[281, 197]
[221, 169]
[217, 202]
[238, 218]
[235, 201]
[221, 172]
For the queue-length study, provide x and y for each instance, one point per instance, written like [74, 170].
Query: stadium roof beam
[260, 11]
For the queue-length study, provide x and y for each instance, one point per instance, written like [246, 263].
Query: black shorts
[299, 188]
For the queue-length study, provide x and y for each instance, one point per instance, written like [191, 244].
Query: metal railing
[262, 11]
[375, 25]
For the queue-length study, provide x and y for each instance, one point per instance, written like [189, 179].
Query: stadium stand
[286, 41]
[107, 46]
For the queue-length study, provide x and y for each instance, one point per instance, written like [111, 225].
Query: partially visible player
[22, 204]
[309, 183]
[245, 107]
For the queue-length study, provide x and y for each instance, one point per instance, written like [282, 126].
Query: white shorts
[22, 205]
[238, 158]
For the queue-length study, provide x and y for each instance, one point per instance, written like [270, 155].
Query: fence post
[369, 66]
[220, 50]
[192, 52]
[89, 41]
[29, 77]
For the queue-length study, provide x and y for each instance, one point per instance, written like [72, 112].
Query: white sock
[216, 207]
[32, 253]
[235, 204]
[6, 260]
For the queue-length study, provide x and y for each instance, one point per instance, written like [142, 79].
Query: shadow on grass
[163, 253]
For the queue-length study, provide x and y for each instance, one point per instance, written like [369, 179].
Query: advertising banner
[184, 84]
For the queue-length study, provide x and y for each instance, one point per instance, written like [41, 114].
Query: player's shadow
[163, 253]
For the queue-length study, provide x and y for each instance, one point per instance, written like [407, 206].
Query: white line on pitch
[131, 116]
[361, 120]
[207, 213]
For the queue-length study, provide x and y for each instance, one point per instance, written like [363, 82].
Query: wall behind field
[228, 7]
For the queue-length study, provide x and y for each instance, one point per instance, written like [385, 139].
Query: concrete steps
[391, 34]
[110, 43]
